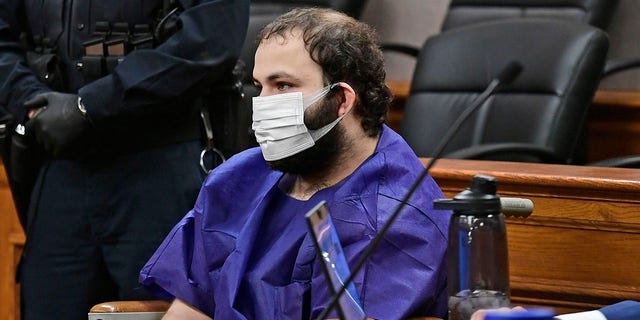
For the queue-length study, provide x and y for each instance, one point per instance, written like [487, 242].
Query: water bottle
[477, 250]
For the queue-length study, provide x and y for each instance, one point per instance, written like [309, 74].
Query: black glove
[61, 124]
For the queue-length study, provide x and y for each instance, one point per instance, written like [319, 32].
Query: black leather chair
[464, 12]
[538, 118]
[597, 13]
[630, 161]
[593, 12]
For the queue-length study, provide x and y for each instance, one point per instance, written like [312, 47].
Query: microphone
[505, 77]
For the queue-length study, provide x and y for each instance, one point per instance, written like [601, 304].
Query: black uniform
[120, 164]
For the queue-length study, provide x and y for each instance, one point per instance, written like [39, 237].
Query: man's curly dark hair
[347, 50]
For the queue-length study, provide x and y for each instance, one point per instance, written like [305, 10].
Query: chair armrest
[401, 48]
[619, 65]
[492, 151]
[619, 162]
[99, 311]
[129, 310]
[132, 306]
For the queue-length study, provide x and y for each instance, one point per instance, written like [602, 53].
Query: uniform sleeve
[17, 82]
[206, 46]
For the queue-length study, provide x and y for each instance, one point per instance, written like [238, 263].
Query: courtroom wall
[624, 32]
[406, 22]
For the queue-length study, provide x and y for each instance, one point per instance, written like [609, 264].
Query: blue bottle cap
[533, 314]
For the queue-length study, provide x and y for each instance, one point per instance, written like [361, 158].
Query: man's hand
[180, 310]
[58, 123]
[479, 315]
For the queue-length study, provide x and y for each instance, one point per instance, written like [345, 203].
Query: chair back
[593, 12]
[540, 117]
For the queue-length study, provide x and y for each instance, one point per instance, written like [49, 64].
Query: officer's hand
[59, 125]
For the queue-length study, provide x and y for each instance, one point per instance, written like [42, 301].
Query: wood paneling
[614, 124]
[400, 90]
[11, 243]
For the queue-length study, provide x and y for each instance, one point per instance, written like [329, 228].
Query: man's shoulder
[402, 168]
[397, 154]
[239, 181]
[248, 164]
[394, 146]
[250, 158]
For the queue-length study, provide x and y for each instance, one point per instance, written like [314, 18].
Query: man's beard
[326, 150]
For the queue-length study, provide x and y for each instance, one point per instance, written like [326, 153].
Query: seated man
[244, 251]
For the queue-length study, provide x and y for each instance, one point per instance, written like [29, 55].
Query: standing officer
[111, 92]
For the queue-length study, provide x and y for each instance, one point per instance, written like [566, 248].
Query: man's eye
[283, 86]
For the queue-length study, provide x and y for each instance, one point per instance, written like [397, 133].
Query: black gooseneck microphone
[506, 76]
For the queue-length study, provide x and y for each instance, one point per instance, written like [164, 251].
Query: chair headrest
[478, 52]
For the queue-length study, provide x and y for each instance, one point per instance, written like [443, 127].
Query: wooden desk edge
[548, 175]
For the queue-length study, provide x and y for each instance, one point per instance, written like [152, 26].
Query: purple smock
[244, 250]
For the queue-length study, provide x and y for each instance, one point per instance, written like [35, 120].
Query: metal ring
[204, 153]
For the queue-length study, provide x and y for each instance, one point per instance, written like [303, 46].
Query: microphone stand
[508, 74]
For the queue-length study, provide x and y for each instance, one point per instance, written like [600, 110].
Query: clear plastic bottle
[477, 258]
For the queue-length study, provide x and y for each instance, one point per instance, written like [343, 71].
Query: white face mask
[278, 122]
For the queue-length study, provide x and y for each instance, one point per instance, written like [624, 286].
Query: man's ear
[347, 97]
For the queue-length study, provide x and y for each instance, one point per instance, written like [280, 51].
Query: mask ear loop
[319, 133]
[323, 92]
